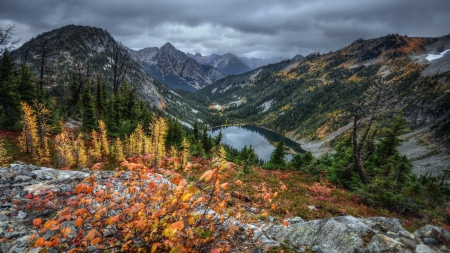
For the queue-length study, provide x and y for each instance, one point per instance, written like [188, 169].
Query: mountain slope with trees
[314, 96]
[76, 55]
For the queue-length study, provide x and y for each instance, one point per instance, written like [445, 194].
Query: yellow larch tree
[29, 138]
[64, 148]
[118, 150]
[43, 116]
[140, 139]
[148, 148]
[4, 158]
[96, 150]
[103, 138]
[80, 152]
[159, 129]
[174, 156]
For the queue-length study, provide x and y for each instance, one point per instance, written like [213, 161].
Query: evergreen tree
[277, 156]
[26, 86]
[9, 96]
[219, 138]
[299, 161]
[100, 98]
[76, 92]
[195, 131]
[89, 119]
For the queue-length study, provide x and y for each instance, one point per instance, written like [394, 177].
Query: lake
[262, 140]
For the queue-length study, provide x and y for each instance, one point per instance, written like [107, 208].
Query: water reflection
[262, 140]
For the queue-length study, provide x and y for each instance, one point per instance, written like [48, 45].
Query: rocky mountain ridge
[87, 52]
[327, 79]
[338, 234]
[174, 68]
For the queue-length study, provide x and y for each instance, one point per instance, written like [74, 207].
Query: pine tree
[219, 138]
[26, 86]
[9, 96]
[277, 156]
[76, 90]
[89, 119]
[391, 139]
[100, 98]
[195, 131]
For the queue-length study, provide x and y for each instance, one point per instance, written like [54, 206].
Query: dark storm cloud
[248, 28]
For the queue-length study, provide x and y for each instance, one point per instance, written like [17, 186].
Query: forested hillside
[314, 96]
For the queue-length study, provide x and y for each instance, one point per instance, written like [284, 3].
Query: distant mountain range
[174, 68]
[179, 70]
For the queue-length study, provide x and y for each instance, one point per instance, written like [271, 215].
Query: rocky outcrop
[19, 183]
[350, 234]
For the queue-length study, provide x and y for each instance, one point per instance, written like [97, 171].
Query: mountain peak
[168, 45]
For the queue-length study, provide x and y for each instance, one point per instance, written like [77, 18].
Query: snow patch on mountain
[432, 57]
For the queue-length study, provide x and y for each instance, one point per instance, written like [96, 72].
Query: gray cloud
[254, 28]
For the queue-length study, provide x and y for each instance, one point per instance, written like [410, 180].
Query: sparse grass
[304, 192]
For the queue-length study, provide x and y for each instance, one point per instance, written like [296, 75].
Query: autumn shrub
[4, 157]
[141, 209]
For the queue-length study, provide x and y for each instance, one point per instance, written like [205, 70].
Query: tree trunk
[357, 152]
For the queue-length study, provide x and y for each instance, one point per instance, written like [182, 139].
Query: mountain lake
[263, 141]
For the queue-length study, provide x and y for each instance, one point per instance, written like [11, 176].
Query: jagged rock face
[334, 235]
[143, 55]
[174, 68]
[87, 50]
[228, 64]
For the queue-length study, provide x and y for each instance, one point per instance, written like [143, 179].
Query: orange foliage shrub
[138, 210]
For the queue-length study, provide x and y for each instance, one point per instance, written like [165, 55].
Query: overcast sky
[252, 28]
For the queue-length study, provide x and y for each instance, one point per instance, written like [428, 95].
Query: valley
[190, 151]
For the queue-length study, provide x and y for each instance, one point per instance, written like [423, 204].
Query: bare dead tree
[121, 63]
[45, 62]
[375, 103]
[6, 41]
